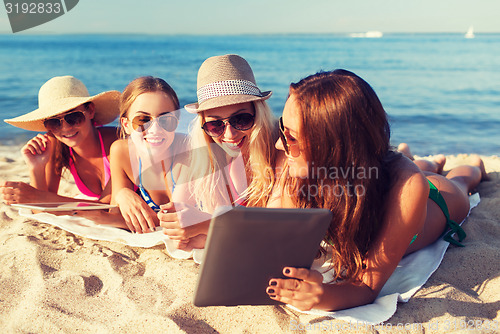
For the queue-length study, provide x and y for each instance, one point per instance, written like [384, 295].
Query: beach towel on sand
[412, 272]
[87, 228]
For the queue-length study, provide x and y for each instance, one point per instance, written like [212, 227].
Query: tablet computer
[246, 247]
[64, 206]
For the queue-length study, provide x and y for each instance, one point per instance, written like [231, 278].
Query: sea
[441, 91]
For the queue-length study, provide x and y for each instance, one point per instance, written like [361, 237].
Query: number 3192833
[33, 8]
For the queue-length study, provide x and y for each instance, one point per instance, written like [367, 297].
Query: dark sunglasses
[241, 122]
[294, 149]
[72, 119]
[142, 123]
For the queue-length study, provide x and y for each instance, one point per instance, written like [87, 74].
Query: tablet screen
[246, 247]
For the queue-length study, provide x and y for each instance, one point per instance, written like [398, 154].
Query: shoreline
[345, 33]
[55, 281]
[14, 145]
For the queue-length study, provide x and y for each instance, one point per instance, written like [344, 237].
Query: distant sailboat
[470, 33]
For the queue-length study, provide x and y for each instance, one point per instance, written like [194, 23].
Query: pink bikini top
[79, 184]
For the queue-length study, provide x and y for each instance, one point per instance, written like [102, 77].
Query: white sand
[52, 281]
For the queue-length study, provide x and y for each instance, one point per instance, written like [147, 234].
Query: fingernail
[274, 283]
[270, 290]
[287, 271]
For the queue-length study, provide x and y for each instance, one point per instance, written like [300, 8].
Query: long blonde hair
[208, 158]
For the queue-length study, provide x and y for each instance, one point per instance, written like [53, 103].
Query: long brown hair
[142, 85]
[344, 135]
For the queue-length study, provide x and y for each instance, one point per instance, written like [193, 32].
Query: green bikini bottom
[436, 196]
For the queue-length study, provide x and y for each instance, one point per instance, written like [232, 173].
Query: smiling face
[232, 140]
[298, 166]
[154, 140]
[77, 134]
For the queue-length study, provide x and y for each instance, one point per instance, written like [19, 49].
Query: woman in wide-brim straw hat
[237, 130]
[71, 117]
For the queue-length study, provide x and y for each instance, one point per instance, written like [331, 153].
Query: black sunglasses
[143, 122]
[293, 149]
[241, 122]
[73, 119]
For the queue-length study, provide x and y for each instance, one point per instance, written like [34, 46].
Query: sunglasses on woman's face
[290, 149]
[142, 123]
[241, 122]
[55, 124]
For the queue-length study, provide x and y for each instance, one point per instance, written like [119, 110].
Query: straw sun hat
[225, 80]
[61, 94]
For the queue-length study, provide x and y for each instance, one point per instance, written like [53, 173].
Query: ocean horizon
[440, 90]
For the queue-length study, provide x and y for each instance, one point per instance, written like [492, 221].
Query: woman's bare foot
[405, 149]
[440, 161]
[475, 160]
[434, 166]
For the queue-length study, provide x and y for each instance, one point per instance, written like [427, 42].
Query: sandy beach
[52, 281]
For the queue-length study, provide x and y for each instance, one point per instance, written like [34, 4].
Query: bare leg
[434, 166]
[454, 188]
[469, 176]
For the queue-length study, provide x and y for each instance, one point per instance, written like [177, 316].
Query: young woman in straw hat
[147, 161]
[72, 141]
[232, 148]
[383, 205]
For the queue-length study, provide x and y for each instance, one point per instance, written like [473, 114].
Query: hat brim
[226, 100]
[106, 111]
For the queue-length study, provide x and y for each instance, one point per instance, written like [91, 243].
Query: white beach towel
[412, 272]
[87, 228]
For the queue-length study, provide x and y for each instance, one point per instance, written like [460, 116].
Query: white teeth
[233, 144]
[232, 148]
[70, 135]
[154, 140]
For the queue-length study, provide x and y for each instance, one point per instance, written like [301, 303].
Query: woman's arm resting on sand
[138, 216]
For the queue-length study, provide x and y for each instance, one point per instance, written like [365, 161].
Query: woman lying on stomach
[336, 137]
[234, 131]
[146, 160]
[73, 140]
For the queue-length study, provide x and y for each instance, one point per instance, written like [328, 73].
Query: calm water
[441, 91]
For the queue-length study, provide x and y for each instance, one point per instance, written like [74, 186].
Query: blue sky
[268, 16]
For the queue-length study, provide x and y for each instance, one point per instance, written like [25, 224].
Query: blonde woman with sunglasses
[232, 148]
[73, 140]
[146, 161]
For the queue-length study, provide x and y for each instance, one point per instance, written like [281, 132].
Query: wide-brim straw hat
[61, 94]
[223, 81]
